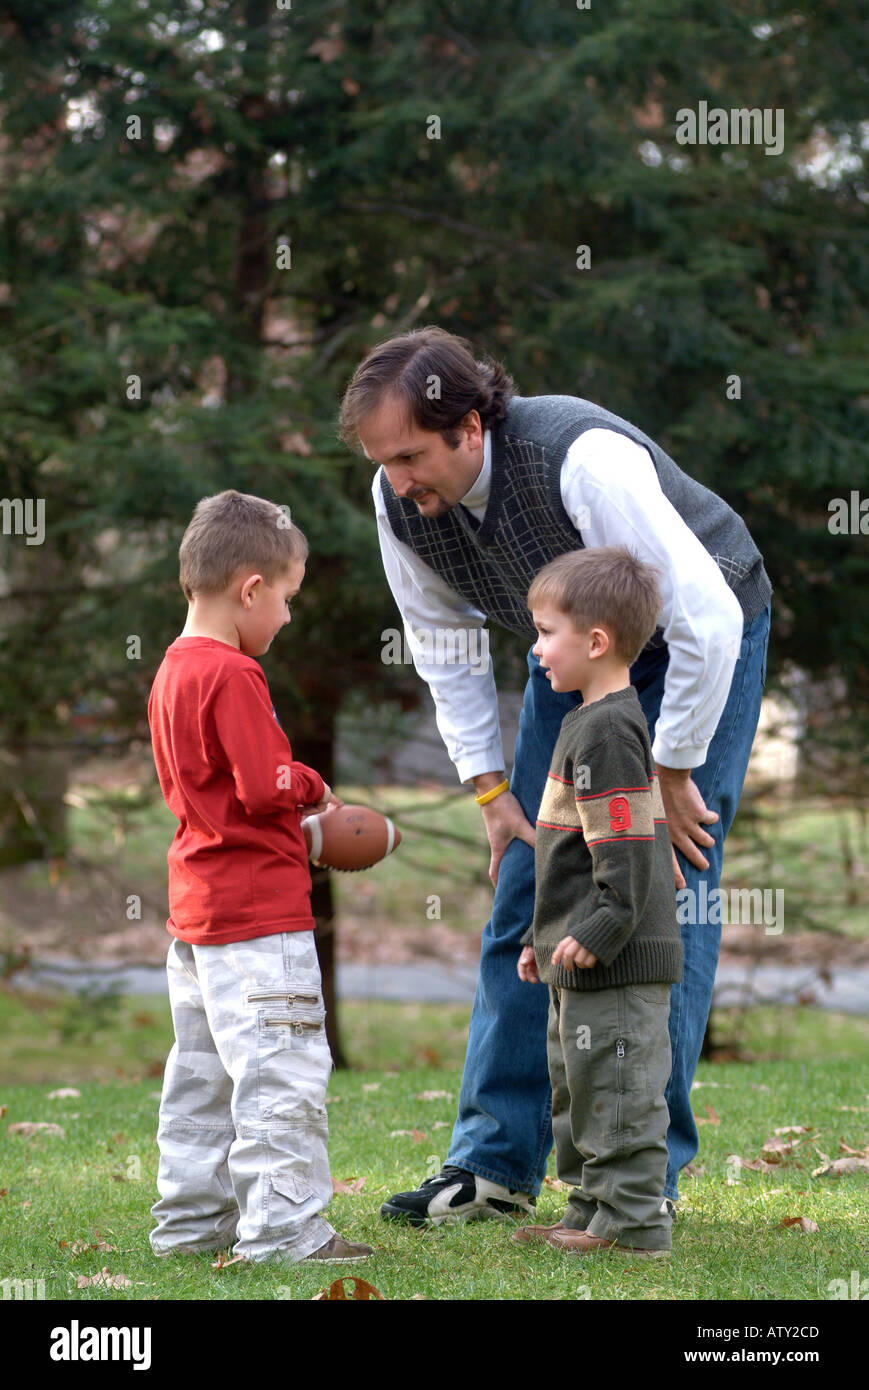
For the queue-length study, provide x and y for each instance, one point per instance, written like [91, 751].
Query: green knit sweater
[603, 865]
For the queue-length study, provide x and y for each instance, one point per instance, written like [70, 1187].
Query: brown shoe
[338, 1249]
[582, 1243]
[527, 1235]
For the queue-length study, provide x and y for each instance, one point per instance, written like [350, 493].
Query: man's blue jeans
[503, 1129]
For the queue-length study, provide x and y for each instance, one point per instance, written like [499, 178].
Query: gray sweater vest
[492, 563]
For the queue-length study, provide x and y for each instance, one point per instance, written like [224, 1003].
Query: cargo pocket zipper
[299, 1026]
[283, 996]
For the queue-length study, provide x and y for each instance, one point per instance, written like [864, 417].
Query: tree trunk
[313, 743]
[325, 939]
[33, 813]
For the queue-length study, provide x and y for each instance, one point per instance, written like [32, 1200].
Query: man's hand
[505, 821]
[686, 816]
[527, 966]
[568, 953]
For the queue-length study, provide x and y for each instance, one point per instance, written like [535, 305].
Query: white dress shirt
[611, 493]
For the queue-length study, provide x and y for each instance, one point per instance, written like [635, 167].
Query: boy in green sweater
[605, 935]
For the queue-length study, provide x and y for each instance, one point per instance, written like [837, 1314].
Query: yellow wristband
[482, 798]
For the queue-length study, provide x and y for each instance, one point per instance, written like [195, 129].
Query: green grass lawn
[98, 1181]
[97, 1184]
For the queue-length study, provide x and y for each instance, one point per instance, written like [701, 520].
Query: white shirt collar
[477, 496]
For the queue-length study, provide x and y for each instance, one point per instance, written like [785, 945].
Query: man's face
[418, 463]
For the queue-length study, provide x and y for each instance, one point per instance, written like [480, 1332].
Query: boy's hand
[527, 966]
[329, 801]
[568, 953]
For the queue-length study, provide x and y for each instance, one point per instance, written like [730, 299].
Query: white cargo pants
[243, 1128]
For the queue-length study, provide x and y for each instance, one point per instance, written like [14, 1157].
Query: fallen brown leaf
[222, 1262]
[842, 1165]
[371, 1086]
[29, 1128]
[104, 1279]
[354, 1185]
[77, 1247]
[557, 1184]
[776, 1150]
[63, 1093]
[757, 1165]
[434, 1095]
[361, 1289]
[860, 1153]
[711, 1117]
[802, 1223]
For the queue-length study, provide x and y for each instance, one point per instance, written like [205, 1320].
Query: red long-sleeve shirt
[238, 865]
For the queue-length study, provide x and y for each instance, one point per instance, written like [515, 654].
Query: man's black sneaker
[456, 1195]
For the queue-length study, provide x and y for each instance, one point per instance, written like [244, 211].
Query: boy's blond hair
[232, 531]
[604, 586]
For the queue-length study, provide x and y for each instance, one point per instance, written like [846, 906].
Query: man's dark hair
[436, 377]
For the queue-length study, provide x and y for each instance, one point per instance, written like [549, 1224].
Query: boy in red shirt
[242, 1129]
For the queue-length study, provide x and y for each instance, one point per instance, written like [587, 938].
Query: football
[349, 837]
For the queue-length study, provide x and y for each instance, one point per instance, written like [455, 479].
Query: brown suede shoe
[339, 1251]
[581, 1243]
[527, 1235]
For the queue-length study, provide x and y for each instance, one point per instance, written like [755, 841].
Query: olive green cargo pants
[609, 1062]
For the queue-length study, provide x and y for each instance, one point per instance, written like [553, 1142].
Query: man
[479, 488]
